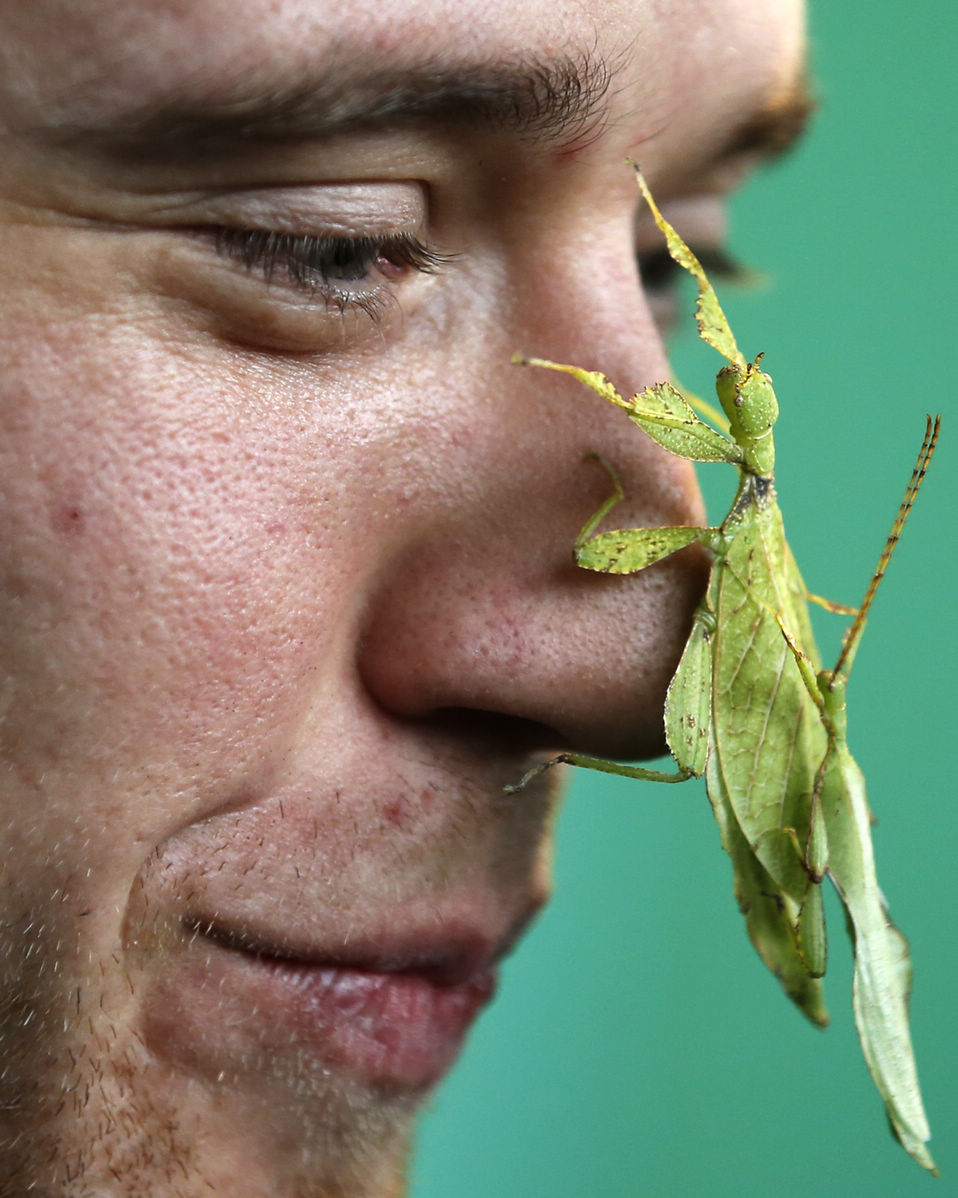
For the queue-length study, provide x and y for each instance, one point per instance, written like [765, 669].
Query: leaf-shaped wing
[767, 733]
[771, 916]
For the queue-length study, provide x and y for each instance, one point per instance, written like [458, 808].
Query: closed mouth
[391, 1014]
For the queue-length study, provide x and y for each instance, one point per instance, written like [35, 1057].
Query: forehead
[653, 56]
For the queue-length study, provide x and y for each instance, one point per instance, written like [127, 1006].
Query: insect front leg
[628, 550]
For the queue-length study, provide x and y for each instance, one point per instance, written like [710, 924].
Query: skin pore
[286, 595]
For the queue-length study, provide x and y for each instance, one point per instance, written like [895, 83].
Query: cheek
[159, 617]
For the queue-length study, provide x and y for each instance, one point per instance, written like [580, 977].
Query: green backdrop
[638, 1047]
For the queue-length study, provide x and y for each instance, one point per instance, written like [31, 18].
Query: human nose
[482, 609]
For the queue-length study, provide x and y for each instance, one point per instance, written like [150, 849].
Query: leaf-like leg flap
[668, 418]
[816, 848]
[688, 703]
[812, 935]
[628, 550]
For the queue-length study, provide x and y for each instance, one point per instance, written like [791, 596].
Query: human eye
[306, 269]
[333, 271]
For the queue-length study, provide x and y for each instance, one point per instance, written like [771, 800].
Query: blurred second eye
[662, 277]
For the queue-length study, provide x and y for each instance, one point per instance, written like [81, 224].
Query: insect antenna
[853, 635]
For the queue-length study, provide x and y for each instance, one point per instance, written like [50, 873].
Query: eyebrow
[774, 129]
[562, 102]
[558, 101]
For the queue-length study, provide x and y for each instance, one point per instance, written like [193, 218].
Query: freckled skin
[286, 595]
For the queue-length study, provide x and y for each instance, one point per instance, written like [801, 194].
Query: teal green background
[638, 1046]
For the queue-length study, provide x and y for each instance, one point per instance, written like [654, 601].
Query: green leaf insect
[751, 708]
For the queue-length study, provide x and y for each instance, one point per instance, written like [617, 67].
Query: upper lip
[447, 955]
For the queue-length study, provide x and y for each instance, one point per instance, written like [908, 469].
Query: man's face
[286, 596]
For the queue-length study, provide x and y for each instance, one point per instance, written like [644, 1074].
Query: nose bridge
[580, 300]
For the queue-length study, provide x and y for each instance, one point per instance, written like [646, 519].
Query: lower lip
[394, 1029]
[391, 1030]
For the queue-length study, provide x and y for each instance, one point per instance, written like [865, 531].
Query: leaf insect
[751, 707]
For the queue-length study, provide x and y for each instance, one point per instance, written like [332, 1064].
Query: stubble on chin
[89, 1110]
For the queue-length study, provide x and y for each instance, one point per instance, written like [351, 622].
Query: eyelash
[318, 264]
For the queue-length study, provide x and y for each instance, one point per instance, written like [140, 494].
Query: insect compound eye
[728, 387]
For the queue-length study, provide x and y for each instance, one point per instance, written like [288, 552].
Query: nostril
[495, 731]
[576, 661]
